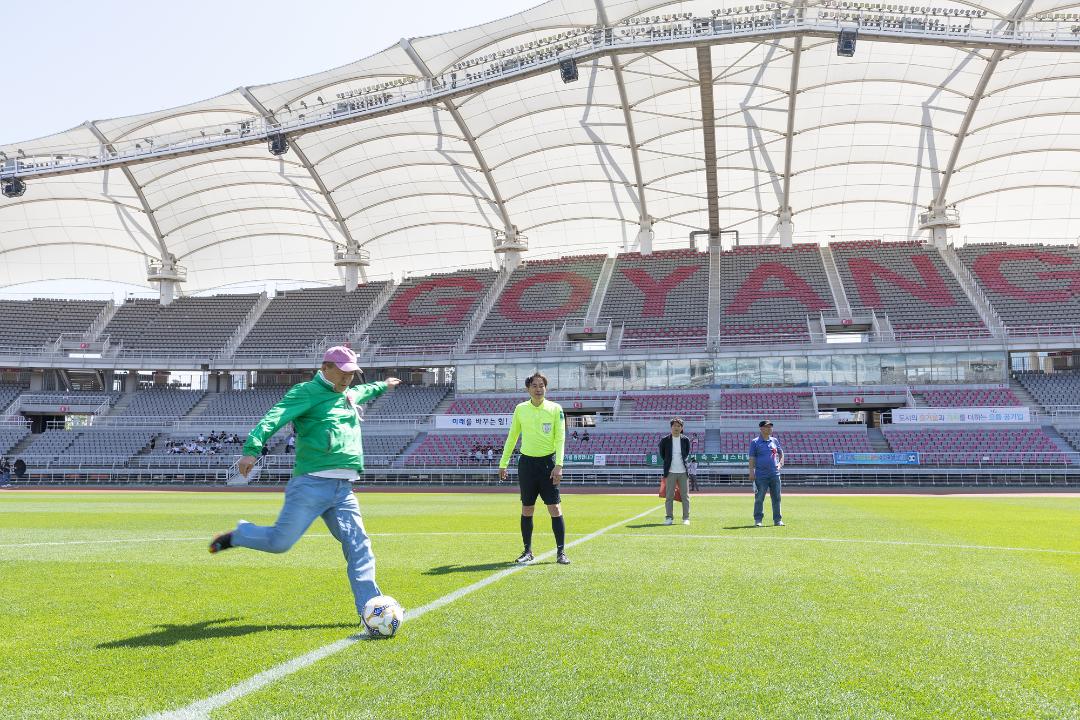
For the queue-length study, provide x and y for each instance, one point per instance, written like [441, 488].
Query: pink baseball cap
[343, 357]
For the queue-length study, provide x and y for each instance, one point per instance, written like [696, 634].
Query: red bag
[663, 490]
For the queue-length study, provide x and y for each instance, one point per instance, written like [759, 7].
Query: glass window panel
[485, 377]
[569, 376]
[795, 371]
[724, 372]
[657, 372]
[593, 378]
[551, 372]
[463, 379]
[772, 371]
[635, 375]
[868, 369]
[893, 370]
[919, 369]
[614, 373]
[700, 372]
[987, 367]
[944, 367]
[679, 373]
[747, 371]
[506, 377]
[818, 370]
[843, 370]
[523, 374]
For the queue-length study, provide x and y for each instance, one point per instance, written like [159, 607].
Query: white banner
[474, 422]
[962, 415]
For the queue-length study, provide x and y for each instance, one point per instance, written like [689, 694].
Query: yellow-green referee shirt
[542, 431]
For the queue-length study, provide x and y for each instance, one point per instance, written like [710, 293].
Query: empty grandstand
[296, 320]
[670, 210]
[911, 284]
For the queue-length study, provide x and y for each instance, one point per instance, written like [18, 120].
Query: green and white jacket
[327, 425]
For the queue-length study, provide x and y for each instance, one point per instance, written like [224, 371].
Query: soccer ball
[382, 616]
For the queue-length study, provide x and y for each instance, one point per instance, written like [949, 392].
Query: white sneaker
[778, 523]
[757, 524]
[686, 521]
[668, 521]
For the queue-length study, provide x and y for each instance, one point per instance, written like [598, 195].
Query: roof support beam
[645, 233]
[708, 129]
[787, 228]
[351, 246]
[496, 196]
[811, 25]
[938, 203]
[166, 273]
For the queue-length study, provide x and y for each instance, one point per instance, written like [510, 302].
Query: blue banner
[874, 458]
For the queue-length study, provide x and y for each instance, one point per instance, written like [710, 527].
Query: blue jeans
[761, 486]
[306, 498]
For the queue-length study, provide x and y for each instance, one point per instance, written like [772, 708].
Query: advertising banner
[703, 459]
[474, 422]
[876, 458]
[976, 415]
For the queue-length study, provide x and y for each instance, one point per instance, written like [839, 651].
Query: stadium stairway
[246, 326]
[878, 441]
[1025, 397]
[713, 441]
[472, 328]
[121, 403]
[1063, 444]
[411, 447]
[971, 288]
[602, 282]
[20, 447]
[714, 294]
[843, 307]
[200, 407]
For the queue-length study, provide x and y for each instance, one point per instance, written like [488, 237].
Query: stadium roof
[418, 153]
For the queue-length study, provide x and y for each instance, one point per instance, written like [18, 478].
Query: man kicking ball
[329, 457]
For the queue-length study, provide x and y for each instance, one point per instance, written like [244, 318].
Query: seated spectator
[575, 435]
[20, 469]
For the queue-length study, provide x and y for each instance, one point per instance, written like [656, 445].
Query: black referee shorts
[534, 478]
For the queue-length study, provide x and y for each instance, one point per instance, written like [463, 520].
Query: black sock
[558, 526]
[526, 531]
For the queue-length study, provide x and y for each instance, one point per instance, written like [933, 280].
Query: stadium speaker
[13, 187]
[279, 144]
[845, 45]
[568, 70]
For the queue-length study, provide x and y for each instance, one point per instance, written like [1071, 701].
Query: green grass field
[862, 607]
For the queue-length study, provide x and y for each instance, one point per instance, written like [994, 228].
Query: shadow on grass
[740, 527]
[168, 635]
[645, 525]
[483, 567]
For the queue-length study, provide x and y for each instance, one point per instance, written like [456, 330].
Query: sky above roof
[109, 59]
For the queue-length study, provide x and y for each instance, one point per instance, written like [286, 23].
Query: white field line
[201, 710]
[640, 536]
[209, 536]
[793, 538]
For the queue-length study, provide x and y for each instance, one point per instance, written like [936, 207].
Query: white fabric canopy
[871, 136]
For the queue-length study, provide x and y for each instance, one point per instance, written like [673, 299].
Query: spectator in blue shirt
[766, 461]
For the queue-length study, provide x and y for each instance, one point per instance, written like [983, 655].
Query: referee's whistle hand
[502, 473]
[556, 475]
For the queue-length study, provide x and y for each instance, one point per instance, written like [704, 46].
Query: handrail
[1040, 460]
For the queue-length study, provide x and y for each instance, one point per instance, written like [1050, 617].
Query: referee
[541, 426]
